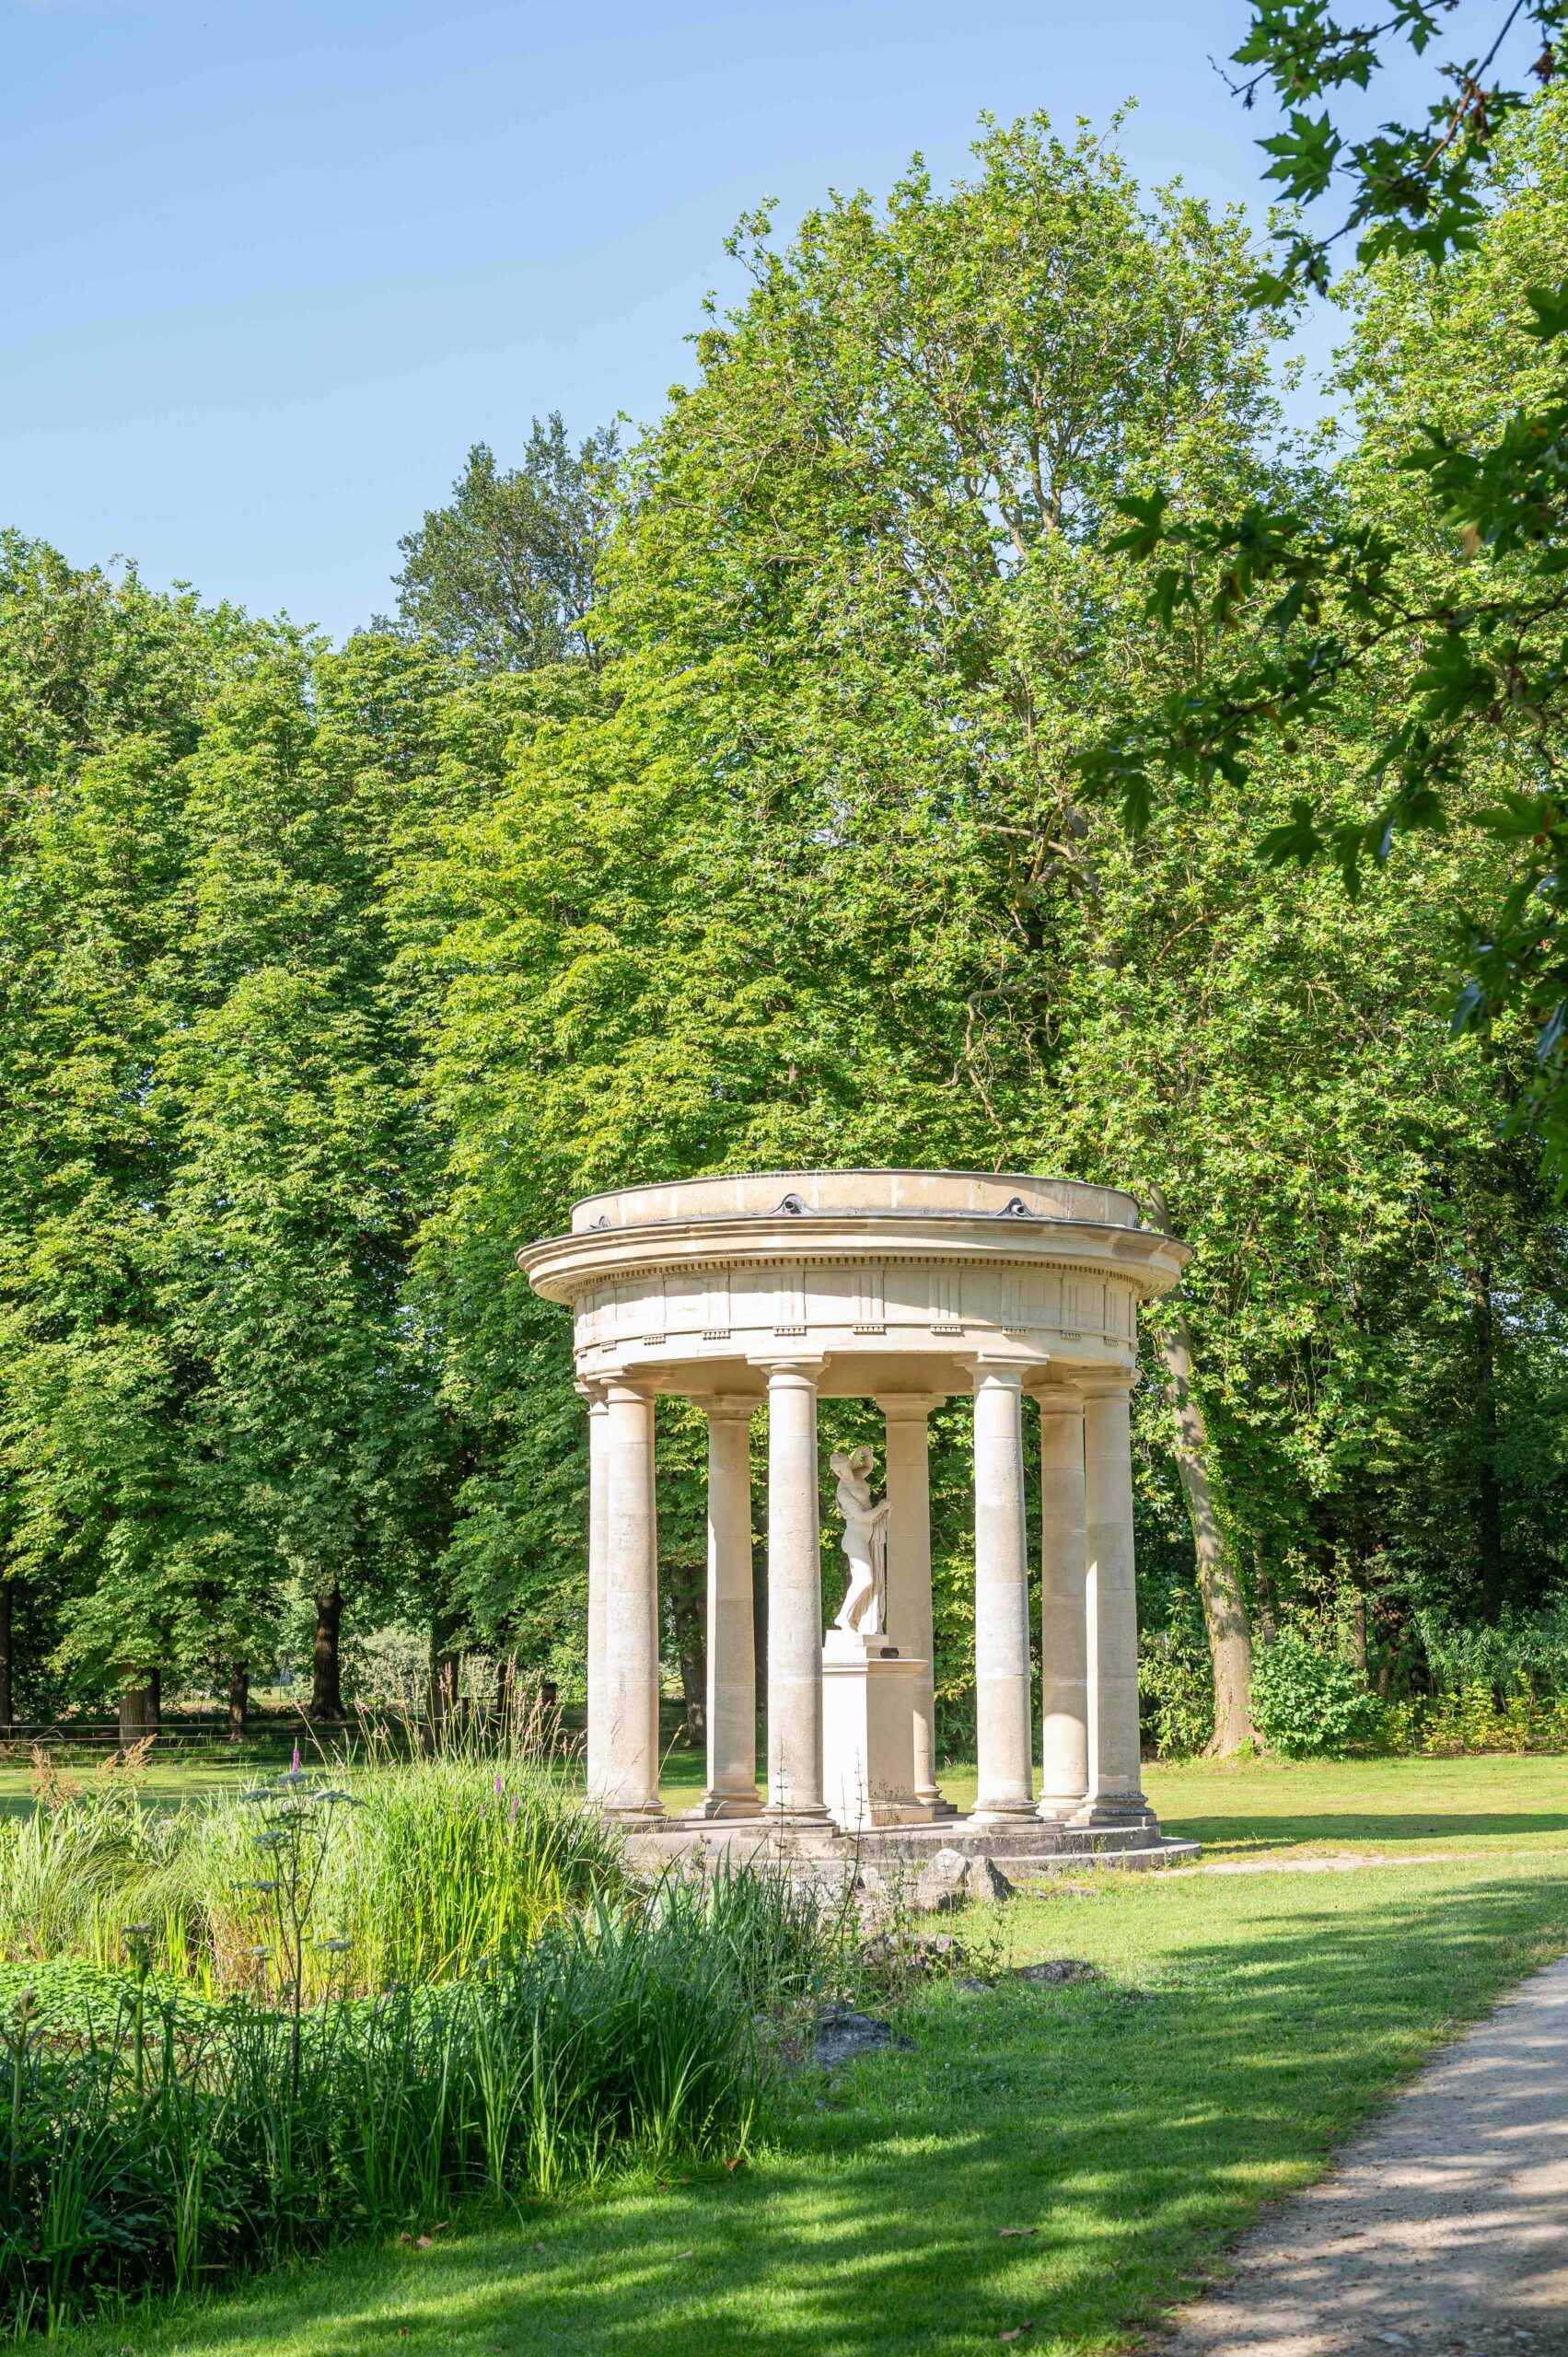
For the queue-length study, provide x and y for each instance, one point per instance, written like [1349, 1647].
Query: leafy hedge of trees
[714, 805]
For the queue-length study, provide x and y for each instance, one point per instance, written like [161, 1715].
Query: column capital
[1058, 1398]
[1107, 1383]
[996, 1366]
[908, 1406]
[728, 1406]
[804, 1364]
[617, 1388]
[594, 1393]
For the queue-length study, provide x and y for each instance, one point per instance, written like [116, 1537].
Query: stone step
[1032, 1837]
[1030, 1852]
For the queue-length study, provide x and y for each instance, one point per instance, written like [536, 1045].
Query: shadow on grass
[1341, 1825]
[1137, 2128]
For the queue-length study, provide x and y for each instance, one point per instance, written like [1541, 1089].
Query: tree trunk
[694, 1690]
[139, 1712]
[1219, 1579]
[1358, 1634]
[1263, 1588]
[686, 1588]
[238, 1701]
[1489, 1495]
[326, 1676]
[506, 1698]
[8, 1712]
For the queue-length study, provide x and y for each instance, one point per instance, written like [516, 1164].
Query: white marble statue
[865, 1543]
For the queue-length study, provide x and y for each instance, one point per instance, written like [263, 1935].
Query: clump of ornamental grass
[434, 1864]
[160, 2141]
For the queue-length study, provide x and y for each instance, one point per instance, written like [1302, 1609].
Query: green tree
[102, 689]
[766, 905]
[813, 884]
[508, 571]
[307, 1161]
[1451, 634]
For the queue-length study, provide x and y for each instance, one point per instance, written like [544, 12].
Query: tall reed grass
[330, 2005]
[170, 2142]
[438, 1863]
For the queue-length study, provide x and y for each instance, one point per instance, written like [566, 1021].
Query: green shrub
[1306, 1704]
[1521, 1656]
[1470, 1720]
[1175, 1682]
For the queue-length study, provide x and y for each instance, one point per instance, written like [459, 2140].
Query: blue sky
[270, 266]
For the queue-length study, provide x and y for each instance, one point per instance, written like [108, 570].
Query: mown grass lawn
[1245, 2023]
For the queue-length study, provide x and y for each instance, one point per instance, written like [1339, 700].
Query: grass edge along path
[1071, 2160]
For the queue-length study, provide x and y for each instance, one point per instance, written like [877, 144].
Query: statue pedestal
[868, 1733]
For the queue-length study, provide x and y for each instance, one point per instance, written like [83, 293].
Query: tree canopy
[739, 802]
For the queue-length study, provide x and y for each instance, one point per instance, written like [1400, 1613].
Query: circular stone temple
[905, 1287]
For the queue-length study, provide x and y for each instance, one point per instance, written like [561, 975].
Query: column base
[1001, 1813]
[938, 1807]
[632, 1812]
[1131, 1809]
[724, 1805]
[813, 1814]
[1052, 1811]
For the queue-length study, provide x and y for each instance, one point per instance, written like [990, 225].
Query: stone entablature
[717, 1272]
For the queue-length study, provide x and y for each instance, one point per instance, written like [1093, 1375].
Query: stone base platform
[1027, 1850]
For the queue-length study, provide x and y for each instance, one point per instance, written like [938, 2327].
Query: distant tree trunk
[1219, 1579]
[325, 1671]
[1263, 1588]
[686, 1589]
[694, 1690]
[1489, 1495]
[238, 1701]
[8, 1718]
[505, 1694]
[1358, 1634]
[140, 1712]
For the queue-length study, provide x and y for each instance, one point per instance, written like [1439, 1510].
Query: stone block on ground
[842, 2036]
[922, 1957]
[950, 1878]
[941, 1884]
[1053, 1973]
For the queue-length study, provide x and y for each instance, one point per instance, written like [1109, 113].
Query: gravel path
[1444, 2231]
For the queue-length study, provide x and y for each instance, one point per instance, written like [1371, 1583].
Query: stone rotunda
[785, 1288]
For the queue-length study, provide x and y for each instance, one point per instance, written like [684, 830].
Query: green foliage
[330, 978]
[152, 2143]
[1435, 654]
[508, 573]
[1248, 2025]
[438, 1865]
[212, 1156]
[1174, 1681]
[1307, 1703]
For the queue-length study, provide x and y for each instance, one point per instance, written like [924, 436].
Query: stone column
[599, 1527]
[1003, 1719]
[1063, 1650]
[629, 1756]
[732, 1662]
[795, 1593]
[1112, 1606]
[909, 1621]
